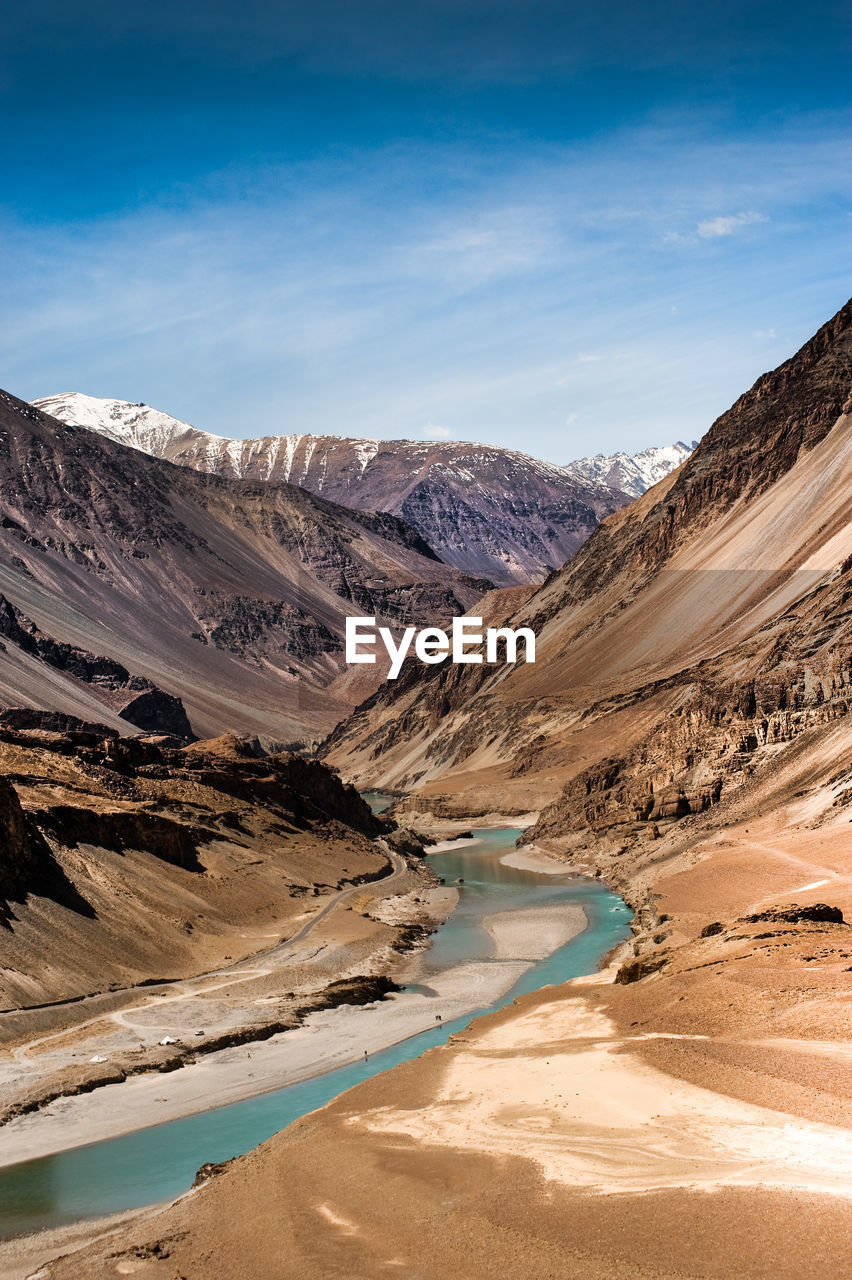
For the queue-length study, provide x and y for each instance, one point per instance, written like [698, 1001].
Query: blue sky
[558, 227]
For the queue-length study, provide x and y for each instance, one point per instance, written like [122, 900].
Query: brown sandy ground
[726, 953]
[430, 1171]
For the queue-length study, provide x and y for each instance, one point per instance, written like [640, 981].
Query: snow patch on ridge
[157, 433]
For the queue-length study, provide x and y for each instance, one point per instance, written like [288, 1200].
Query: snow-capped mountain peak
[136, 425]
[632, 473]
[489, 511]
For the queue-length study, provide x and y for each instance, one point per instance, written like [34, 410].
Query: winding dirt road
[204, 984]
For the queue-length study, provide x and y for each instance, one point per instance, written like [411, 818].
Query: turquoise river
[156, 1164]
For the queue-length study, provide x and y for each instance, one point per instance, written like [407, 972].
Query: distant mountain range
[188, 599]
[491, 512]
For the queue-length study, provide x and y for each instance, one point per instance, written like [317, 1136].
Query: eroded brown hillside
[724, 587]
[130, 859]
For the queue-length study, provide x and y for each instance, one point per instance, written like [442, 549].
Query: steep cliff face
[133, 698]
[702, 625]
[21, 861]
[719, 732]
[138, 587]
[494, 513]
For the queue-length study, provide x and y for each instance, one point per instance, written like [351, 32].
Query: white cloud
[572, 417]
[587, 357]
[432, 431]
[765, 333]
[711, 228]
[472, 247]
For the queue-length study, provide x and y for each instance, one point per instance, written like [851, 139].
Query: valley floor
[694, 1123]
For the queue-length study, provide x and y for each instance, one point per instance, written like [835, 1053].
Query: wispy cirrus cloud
[727, 224]
[368, 294]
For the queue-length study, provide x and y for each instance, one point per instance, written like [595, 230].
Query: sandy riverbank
[531, 858]
[24, 1256]
[452, 842]
[557, 1083]
[538, 1142]
[327, 1040]
[350, 936]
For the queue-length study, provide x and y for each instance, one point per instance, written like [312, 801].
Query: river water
[159, 1163]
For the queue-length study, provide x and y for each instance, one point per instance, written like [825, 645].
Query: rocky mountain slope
[134, 699]
[488, 511]
[717, 599]
[127, 858]
[128, 578]
[635, 474]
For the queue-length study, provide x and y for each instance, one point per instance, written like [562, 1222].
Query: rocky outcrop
[52, 722]
[719, 732]
[640, 967]
[125, 859]
[27, 863]
[155, 711]
[20, 859]
[306, 788]
[816, 913]
[407, 842]
[120, 829]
